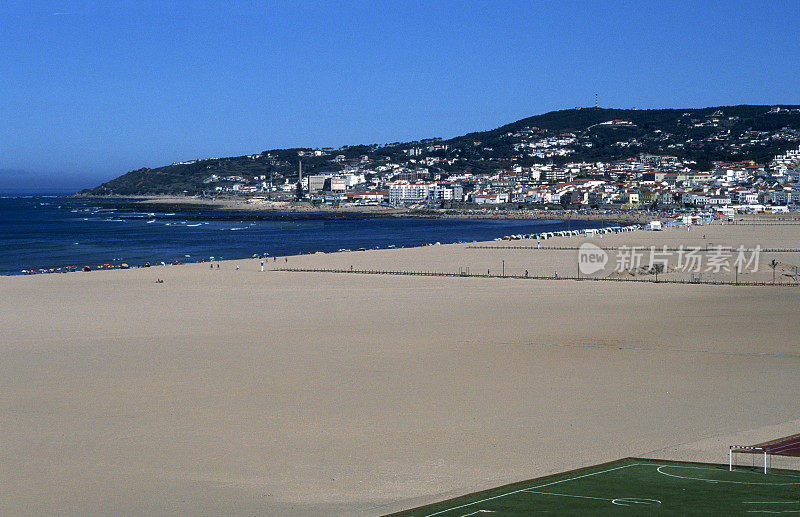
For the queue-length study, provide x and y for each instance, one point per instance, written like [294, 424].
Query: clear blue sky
[90, 90]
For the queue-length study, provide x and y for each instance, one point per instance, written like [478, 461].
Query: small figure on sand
[237, 267]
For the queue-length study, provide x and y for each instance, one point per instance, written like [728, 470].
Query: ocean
[50, 232]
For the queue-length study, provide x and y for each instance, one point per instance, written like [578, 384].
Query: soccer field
[635, 487]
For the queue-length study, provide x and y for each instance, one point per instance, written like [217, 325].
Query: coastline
[249, 210]
[257, 204]
[435, 231]
[301, 393]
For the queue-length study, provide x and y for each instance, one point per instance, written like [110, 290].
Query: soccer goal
[780, 454]
[746, 456]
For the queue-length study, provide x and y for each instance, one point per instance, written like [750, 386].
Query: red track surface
[789, 446]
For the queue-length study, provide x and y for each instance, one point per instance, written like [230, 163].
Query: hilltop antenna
[300, 171]
[595, 100]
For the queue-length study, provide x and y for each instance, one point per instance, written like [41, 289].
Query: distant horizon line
[37, 191]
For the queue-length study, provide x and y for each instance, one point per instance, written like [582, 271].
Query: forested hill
[731, 133]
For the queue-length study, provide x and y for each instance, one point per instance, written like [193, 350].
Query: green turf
[635, 487]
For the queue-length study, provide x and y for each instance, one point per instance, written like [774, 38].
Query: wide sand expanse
[237, 392]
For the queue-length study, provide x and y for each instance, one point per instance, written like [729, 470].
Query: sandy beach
[234, 391]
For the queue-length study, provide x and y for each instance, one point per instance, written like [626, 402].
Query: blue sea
[50, 232]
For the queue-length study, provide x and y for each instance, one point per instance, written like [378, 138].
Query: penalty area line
[707, 480]
[531, 488]
[770, 502]
[619, 501]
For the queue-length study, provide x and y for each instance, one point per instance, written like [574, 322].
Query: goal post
[748, 449]
[781, 454]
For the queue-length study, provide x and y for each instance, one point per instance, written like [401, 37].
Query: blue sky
[90, 90]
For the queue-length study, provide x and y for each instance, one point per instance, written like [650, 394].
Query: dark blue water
[56, 232]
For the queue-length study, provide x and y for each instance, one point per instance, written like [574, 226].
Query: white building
[403, 192]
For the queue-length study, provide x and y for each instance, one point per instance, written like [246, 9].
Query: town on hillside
[638, 159]
[654, 182]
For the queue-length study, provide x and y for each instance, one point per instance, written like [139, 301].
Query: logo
[591, 258]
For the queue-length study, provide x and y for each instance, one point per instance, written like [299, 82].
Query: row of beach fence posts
[466, 274]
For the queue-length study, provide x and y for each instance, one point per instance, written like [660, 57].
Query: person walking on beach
[262, 266]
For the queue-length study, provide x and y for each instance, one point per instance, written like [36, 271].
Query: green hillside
[703, 135]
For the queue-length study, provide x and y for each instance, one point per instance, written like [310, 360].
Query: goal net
[780, 454]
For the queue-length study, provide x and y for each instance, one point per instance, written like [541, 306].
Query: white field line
[713, 468]
[714, 480]
[619, 501]
[570, 495]
[772, 502]
[533, 488]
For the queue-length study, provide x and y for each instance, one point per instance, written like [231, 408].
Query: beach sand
[285, 393]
